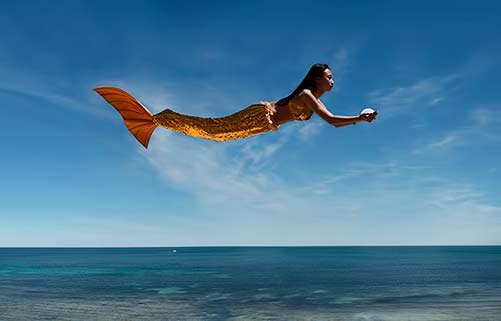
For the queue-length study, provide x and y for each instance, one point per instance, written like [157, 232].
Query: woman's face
[326, 82]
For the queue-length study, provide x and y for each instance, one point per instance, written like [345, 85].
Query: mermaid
[253, 120]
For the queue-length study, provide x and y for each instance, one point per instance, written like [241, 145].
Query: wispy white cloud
[372, 188]
[443, 143]
[363, 203]
[393, 179]
[239, 174]
[216, 173]
[308, 130]
[60, 92]
[425, 192]
[58, 100]
[341, 61]
[398, 204]
[482, 128]
[422, 94]
[484, 116]
[159, 94]
[77, 95]
[258, 154]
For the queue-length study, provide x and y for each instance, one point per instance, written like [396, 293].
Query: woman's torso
[296, 109]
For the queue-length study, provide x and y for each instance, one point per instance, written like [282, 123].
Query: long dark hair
[317, 70]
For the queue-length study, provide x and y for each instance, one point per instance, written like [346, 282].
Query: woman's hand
[368, 115]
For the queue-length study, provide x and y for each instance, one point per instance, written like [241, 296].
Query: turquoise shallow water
[251, 283]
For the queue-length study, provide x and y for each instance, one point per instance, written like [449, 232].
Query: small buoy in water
[174, 251]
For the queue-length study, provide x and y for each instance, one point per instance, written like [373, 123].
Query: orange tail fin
[137, 118]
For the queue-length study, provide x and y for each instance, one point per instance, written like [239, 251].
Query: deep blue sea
[251, 283]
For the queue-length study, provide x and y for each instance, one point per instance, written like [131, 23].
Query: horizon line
[240, 246]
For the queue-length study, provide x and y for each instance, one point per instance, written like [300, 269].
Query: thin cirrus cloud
[210, 171]
[340, 62]
[311, 129]
[482, 128]
[421, 94]
[394, 181]
[237, 174]
[425, 207]
[60, 92]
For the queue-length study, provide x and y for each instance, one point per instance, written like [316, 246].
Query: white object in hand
[367, 111]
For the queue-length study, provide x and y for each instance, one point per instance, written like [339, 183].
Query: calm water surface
[251, 283]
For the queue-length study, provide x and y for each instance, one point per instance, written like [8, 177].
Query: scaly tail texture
[137, 118]
[253, 120]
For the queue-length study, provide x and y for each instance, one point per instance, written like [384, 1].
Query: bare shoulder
[306, 92]
[307, 97]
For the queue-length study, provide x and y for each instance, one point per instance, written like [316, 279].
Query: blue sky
[426, 172]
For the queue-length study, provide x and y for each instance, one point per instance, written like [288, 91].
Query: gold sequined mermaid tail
[253, 120]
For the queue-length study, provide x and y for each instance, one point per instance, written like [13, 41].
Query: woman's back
[295, 109]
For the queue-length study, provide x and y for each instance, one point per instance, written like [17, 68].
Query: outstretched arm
[338, 121]
[363, 117]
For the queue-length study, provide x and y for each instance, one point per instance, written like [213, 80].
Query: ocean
[251, 283]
